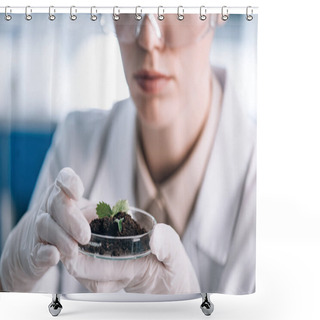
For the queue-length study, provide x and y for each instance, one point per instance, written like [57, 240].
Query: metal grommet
[180, 14]
[28, 16]
[73, 16]
[52, 17]
[93, 16]
[160, 16]
[203, 13]
[116, 16]
[6, 15]
[249, 17]
[138, 16]
[224, 13]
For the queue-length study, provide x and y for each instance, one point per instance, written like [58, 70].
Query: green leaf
[120, 206]
[119, 222]
[103, 210]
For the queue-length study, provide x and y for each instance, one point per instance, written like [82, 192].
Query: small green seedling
[120, 206]
[119, 222]
[104, 210]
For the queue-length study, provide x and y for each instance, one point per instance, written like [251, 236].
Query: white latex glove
[50, 231]
[167, 270]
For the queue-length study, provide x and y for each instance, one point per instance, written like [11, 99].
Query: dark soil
[113, 247]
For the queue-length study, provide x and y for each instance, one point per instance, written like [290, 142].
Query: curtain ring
[93, 16]
[224, 13]
[51, 15]
[249, 17]
[116, 16]
[6, 15]
[203, 12]
[73, 16]
[160, 16]
[27, 13]
[138, 16]
[180, 16]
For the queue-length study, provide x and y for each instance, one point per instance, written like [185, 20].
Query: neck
[165, 149]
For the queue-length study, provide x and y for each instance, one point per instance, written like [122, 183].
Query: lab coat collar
[214, 218]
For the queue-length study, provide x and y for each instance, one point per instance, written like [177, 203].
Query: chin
[154, 114]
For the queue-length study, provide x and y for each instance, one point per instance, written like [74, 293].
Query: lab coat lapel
[211, 226]
[116, 175]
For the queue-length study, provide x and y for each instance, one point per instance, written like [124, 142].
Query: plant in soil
[115, 222]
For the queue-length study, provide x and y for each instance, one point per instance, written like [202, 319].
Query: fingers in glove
[103, 287]
[68, 216]
[50, 232]
[88, 209]
[44, 256]
[86, 267]
[177, 271]
[165, 243]
[70, 183]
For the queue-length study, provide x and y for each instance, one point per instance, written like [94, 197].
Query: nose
[149, 35]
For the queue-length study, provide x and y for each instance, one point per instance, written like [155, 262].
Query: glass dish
[132, 247]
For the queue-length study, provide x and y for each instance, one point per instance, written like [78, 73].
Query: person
[182, 147]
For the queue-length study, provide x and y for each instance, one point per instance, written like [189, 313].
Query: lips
[151, 82]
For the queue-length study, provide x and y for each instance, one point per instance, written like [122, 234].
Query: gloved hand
[167, 270]
[51, 230]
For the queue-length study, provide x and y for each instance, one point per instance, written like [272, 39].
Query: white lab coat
[220, 236]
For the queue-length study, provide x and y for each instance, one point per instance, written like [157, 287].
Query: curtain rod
[133, 10]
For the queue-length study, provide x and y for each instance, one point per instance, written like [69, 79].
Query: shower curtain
[128, 152]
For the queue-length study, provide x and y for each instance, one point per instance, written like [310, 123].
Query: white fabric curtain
[49, 68]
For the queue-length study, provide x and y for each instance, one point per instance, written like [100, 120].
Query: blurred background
[51, 68]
